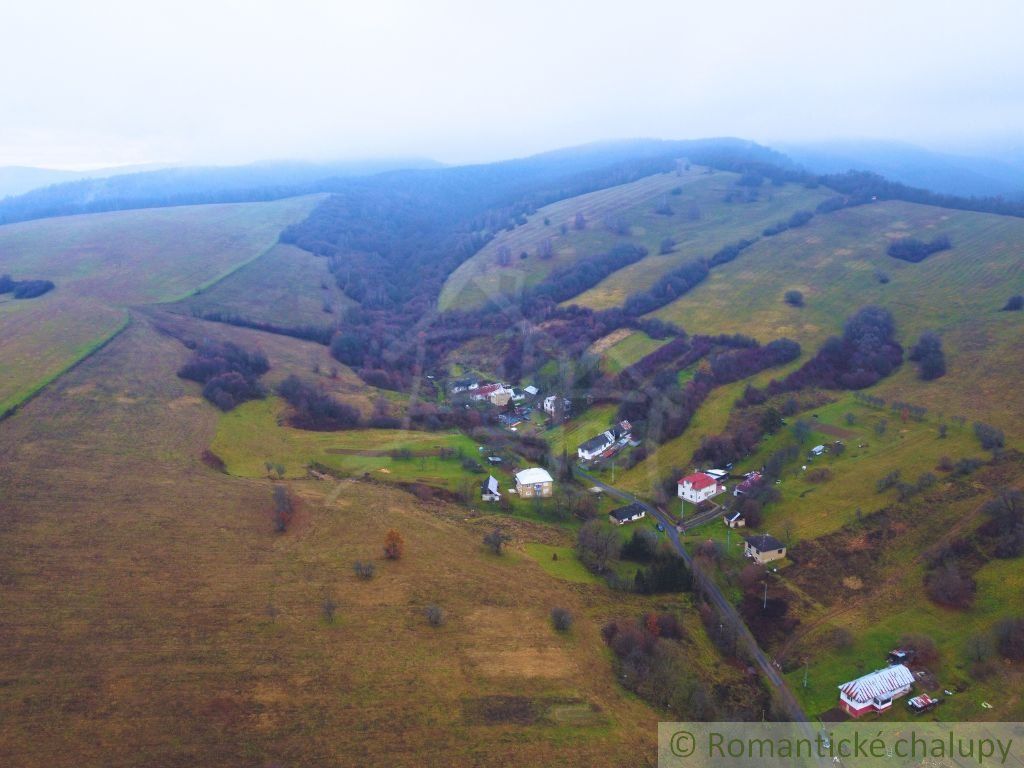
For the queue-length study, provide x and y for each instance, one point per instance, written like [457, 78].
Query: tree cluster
[24, 289]
[928, 354]
[315, 409]
[913, 250]
[229, 374]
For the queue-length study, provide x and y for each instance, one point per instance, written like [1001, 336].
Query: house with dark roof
[595, 446]
[628, 514]
[764, 548]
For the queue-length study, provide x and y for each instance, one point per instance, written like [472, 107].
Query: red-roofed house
[699, 487]
[875, 692]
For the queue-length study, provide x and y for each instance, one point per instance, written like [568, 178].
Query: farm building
[627, 514]
[747, 485]
[534, 482]
[464, 385]
[875, 692]
[764, 548]
[531, 390]
[489, 490]
[735, 520]
[698, 487]
[818, 450]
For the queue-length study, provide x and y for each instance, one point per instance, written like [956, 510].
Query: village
[706, 496]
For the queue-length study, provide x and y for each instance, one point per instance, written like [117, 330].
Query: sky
[221, 82]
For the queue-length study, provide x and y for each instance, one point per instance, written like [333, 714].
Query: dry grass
[136, 588]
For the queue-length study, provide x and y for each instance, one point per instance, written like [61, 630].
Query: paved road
[725, 609]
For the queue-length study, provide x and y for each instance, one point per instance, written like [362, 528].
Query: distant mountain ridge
[961, 175]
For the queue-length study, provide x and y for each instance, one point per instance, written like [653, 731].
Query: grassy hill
[104, 263]
[700, 223]
[836, 260]
[294, 288]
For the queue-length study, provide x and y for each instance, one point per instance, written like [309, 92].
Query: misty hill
[114, 190]
[19, 179]
[943, 173]
[272, 181]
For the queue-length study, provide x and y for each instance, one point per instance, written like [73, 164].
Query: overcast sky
[215, 81]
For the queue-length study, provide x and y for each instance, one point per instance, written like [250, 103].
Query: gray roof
[764, 542]
[596, 443]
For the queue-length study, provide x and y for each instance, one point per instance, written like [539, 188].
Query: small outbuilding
[735, 520]
[489, 490]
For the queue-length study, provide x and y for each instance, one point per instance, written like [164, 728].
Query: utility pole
[805, 673]
[765, 606]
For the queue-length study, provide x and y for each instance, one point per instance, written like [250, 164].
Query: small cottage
[628, 514]
[489, 490]
[735, 520]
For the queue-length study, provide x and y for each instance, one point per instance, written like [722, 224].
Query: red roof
[698, 480]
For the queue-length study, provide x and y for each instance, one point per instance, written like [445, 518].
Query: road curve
[784, 695]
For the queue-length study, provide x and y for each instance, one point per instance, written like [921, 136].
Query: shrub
[329, 608]
[1010, 638]
[947, 586]
[1014, 304]
[561, 619]
[282, 508]
[928, 355]
[495, 540]
[363, 570]
[435, 615]
[794, 298]
[394, 546]
[991, 438]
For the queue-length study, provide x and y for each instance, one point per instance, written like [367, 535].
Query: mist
[112, 83]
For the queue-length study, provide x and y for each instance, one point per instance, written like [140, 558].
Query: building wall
[527, 491]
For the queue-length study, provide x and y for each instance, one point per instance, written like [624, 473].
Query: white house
[489, 490]
[534, 482]
[595, 446]
[464, 385]
[698, 487]
[875, 692]
[627, 514]
[549, 404]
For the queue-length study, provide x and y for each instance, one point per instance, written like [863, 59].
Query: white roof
[533, 475]
[818, 448]
[882, 683]
[492, 485]
[718, 474]
[531, 390]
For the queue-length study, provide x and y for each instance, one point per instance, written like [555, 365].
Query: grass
[879, 625]
[815, 509]
[251, 435]
[151, 612]
[567, 567]
[481, 278]
[290, 283]
[579, 429]
[622, 348]
[104, 263]
[833, 261]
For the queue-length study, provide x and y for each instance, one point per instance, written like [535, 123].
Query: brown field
[152, 616]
